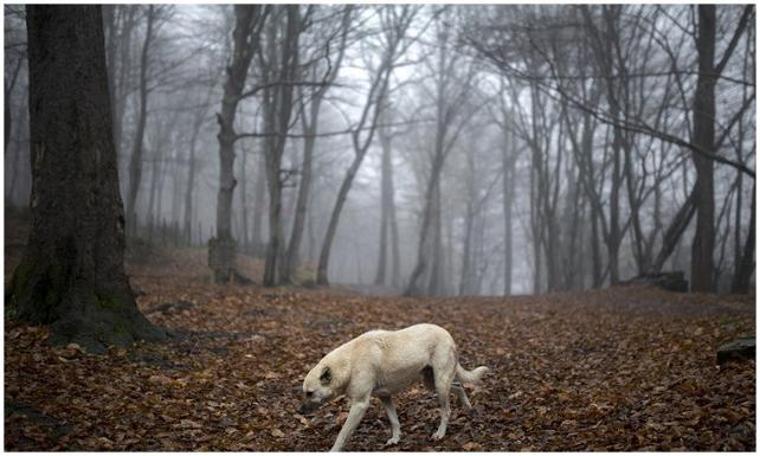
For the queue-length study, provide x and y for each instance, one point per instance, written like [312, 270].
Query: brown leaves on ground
[619, 369]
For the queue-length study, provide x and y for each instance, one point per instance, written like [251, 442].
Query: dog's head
[317, 388]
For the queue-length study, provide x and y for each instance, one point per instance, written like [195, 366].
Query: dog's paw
[392, 441]
[438, 435]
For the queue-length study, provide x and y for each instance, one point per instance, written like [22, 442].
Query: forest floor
[618, 369]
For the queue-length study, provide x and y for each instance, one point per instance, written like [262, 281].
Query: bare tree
[309, 123]
[249, 20]
[453, 79]
[388, 219]
[280, 71]
[136, 159]
[395, 21]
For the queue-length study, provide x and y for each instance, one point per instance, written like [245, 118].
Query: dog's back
[399, 357]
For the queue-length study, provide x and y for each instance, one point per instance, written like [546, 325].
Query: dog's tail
[471, 377]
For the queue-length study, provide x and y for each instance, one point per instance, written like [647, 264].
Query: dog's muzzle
[308, 407]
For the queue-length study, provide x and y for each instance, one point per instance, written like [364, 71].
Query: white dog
[382, 363]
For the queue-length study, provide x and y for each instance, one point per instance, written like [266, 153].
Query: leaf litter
[627, 368]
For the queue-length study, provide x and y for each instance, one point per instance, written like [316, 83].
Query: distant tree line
[429, 149]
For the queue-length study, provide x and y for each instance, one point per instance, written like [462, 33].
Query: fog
[527, 148]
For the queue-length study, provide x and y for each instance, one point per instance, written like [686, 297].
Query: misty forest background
[436, 150]
[182, 182]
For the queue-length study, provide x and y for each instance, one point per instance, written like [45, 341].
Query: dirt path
[619, 369]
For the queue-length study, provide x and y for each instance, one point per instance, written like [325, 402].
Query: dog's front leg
[358, 408]
[390, 409]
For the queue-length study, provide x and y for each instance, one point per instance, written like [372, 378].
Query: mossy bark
[72, 274]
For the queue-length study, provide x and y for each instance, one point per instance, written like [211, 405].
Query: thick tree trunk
[702, 263]
[72, 273]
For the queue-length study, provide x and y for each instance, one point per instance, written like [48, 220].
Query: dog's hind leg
[461, 394]
[443, 372]
[390, 409]
[358, 408]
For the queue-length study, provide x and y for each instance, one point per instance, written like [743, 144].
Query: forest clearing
[628, 368]
[215, 213]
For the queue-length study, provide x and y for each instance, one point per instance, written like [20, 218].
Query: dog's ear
[326, 376]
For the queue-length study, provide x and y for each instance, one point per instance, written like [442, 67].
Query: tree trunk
[332, 227]
[435, 285]
[672, 236]
[222, 247]
[702, 263]
[243, 199]
[596, 255]
[310, 128]
[395, 255]
[743, 274]
[386, 203]
[278, 110]
[414, 287]
[259, 201]
[154, 183]
[394, 34]
[466, 279]
[135, 161]
[72, 273]
[304, 186]
[188, 215]
[508, 161]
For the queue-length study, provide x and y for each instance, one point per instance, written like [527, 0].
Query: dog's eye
[309, 393]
